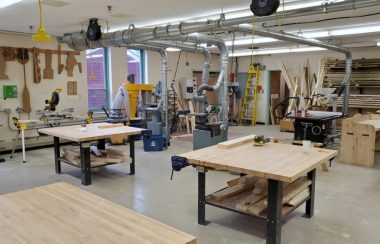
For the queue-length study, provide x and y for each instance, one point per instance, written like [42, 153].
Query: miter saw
[49, 112]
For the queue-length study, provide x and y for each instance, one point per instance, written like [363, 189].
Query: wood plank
[236, 142]
[299, 198]
[26, 215]
[244, 183]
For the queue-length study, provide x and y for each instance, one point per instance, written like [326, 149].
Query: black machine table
[318, 125]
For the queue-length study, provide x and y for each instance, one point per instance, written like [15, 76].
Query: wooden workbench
[278, 163]
[94, 132]
[62, 213]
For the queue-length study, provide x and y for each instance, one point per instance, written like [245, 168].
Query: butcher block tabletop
[276, 161]
[62, 213]
[92, 132]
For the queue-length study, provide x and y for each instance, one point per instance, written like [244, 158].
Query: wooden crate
[360, 139]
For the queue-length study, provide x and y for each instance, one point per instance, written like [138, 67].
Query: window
[136, 66]
[97, 78]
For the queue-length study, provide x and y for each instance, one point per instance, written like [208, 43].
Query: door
[275, 95]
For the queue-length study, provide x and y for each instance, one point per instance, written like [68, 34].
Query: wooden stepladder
[248, 112]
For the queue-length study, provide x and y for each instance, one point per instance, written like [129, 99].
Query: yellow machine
[134, 91]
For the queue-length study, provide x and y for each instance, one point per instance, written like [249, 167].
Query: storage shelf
[230, 204]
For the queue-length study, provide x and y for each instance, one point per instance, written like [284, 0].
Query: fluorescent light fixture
[6, 3]
[246, 41]
[317, 34]
[172, 49]
[308, 4]
[355, 30]
[276, 51]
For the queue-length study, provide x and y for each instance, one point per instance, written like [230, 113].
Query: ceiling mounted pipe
[223, 75]
[78, 41]
[164, 80]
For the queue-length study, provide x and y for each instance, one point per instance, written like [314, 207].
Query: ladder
[248, 112]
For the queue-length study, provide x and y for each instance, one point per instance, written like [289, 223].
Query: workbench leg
[57, 155]
[274, 218]
[14, 144]
[202, 198]
[132, 154]
[85, 163]
[310, 203]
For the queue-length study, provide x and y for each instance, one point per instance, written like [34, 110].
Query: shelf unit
[365, 76]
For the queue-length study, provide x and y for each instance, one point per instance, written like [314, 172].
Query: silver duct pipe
[164, 79]
[205, 51]
[206, 63]
[326, 8]
[300, 40]
[223, 75]
[78, 41]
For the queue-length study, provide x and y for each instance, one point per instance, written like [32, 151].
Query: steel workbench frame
[274, 213]
[85, 163]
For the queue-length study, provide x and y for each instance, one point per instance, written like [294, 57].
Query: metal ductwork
[300, 40]
[164, 78]
[223, 75]
[204, 51]
[78, 41]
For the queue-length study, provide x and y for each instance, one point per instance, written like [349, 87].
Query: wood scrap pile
[111, 155]
[249, 194]
[365, 73]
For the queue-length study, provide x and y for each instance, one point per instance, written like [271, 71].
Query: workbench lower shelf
[230, 204]
[93, 164]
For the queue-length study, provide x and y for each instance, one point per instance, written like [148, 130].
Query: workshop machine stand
[275, 212]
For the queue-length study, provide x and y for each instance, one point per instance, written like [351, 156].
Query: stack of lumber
[249, 194]
[365, 73]
[109, 156]
[362, 101]
[303, 85]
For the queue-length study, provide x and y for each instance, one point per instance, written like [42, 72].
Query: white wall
[39, 92]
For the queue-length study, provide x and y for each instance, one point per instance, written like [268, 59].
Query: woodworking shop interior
[218, 121]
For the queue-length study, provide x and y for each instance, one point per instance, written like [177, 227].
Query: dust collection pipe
[189, 48]
[78, 41]
[206, 63]
[300, 40]
[164, 79]
[223, 75]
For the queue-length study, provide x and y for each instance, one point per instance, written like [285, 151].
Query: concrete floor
[346, 207]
